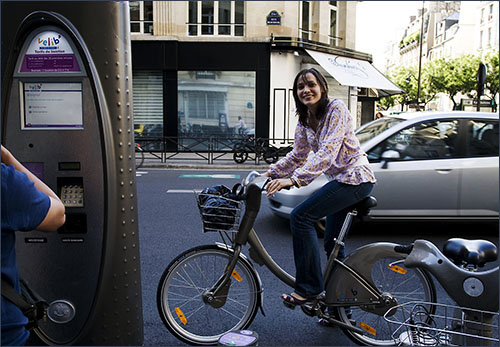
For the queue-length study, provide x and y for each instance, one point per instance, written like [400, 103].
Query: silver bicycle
[210, 290]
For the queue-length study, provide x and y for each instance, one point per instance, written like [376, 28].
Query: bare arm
[56, 215]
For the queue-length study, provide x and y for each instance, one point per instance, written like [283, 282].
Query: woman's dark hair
[323, 102]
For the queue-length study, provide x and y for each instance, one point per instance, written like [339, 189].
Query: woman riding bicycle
[326, 128]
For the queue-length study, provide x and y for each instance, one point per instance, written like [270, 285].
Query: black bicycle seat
[475, 252]
[364, 206]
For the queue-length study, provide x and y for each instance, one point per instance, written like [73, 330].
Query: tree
[404, 77]
[492, 73]
[386, 102]
[453, 76]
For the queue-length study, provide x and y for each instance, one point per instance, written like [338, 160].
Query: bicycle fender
[477, 290]
[351, 281]
[243, 258]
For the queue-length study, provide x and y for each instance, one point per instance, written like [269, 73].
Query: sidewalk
[191, 161]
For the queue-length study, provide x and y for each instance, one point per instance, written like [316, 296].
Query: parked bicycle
[210, 290]
[139, 156]
[260, 147]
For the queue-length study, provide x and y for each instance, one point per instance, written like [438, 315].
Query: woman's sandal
[292, 301]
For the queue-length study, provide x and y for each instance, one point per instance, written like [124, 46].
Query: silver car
[428, 165]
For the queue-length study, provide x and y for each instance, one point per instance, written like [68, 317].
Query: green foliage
[387, 102]
[492, 73]
[450, 76]
[413, 38]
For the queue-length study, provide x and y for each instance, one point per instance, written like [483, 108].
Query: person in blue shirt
[27, 204]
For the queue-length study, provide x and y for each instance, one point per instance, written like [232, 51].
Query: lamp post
[420, 55]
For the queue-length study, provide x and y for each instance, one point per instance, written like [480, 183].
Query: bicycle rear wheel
[139, 156]
[271, 155]
[404, 284]
[179, 295]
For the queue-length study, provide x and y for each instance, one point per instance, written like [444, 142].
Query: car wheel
[320, 226]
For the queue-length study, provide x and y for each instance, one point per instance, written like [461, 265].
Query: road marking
[209, 176]
[183, 191]
[140, 173]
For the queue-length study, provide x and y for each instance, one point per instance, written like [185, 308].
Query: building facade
[450, 29]
[221, 68]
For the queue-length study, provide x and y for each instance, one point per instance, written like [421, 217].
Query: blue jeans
[332, 201]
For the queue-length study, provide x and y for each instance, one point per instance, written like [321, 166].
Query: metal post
[420, 55]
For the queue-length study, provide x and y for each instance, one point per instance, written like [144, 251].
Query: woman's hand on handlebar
[278, 184]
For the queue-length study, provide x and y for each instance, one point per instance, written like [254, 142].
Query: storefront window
[147, 89]
[218, 104]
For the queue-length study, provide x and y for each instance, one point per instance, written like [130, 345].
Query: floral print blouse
[336, 148]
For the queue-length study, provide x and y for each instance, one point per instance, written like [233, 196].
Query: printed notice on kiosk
[53, 105]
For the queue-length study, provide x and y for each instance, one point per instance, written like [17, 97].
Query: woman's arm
[295, 158]
[56, 215]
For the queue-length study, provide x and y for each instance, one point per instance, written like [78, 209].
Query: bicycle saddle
[364, 206]
[475, 252]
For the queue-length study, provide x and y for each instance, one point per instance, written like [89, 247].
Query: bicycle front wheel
[404, 285]
[181, 305]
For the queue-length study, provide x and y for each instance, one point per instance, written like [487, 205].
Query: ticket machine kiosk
[67, 116]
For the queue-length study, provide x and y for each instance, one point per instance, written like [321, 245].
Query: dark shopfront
[199, 90]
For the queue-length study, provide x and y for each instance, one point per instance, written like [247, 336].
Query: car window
[376, 127]
[427, 140]
[483, 138]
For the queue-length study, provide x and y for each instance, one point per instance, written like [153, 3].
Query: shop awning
[355, 73]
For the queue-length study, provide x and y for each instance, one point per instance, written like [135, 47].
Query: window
[428, 140]
[489, 37]
[481, 39]
[481, 20]
[305, 28]
[490, 15]
[193, 18]
[141, 17]
[211, 102]
[207, 17]
[147, 96]
[483, 138]
[224, 18]
[333, 23]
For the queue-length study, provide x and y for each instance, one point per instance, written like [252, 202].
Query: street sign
[273, 18]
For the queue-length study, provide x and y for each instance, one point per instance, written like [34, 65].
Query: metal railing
[206, 148]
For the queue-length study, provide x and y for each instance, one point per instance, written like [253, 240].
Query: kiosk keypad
[72, 195]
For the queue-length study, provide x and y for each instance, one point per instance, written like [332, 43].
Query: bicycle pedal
[289, 305]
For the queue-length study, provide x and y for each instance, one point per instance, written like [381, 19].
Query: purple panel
[50, 63]
[35, 168]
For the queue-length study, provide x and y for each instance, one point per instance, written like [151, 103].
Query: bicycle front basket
[219, 209]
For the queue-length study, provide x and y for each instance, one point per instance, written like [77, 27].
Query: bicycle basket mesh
[219, 209]
[435, 324]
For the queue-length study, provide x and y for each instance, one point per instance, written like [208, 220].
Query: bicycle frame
[356, 288]
[427, 256]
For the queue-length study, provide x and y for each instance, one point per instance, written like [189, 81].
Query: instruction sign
[49, 51]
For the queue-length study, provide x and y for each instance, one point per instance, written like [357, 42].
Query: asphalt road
[170, 223]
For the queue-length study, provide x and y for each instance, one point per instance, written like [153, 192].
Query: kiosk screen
[52, 106]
